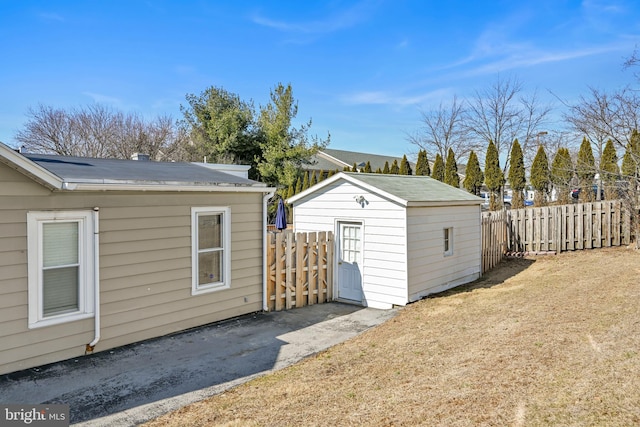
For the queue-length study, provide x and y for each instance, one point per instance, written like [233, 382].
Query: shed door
[350, 261]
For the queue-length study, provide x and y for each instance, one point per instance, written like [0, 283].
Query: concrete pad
[133, 384]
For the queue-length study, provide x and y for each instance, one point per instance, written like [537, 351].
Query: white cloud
[104, 99]
[343, 19]
[51, 16]
[388, 98]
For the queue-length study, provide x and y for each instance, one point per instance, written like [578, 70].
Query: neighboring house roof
[407, 190]
[330, 159]
[85, 173]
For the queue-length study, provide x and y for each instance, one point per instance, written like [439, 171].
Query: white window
[448, 241]
[60, 269]
[211, 249]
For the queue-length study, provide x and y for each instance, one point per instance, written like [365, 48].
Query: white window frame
[225, 283]
[447, 243]
[86, 302]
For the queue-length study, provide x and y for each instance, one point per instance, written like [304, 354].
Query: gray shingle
[85, 169]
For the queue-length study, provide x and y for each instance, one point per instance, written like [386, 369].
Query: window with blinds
[211, 239]
[60, 252]
[61, 267]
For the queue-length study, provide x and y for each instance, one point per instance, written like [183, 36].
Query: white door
[350, 261]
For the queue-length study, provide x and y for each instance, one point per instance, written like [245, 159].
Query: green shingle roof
[403, 189]
[413, 188]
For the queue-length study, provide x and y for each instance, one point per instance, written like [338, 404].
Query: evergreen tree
[313, 181]
[405, 167]
[386, 168]
[298, 187]
[347, 169]
[305, 182]
[517, 178]
[284, 148]
[331, 173]
[354, 168]
[586, 170]
[395, 169]
[367, 167]
[631, 157]
[379, 170]
[422, 165]
[290, 192]
[474, 176]
[609, 170]
[561, 175]
[321, 176]
[451, 176]
[493, 176]
[438, 169]
[540, 176]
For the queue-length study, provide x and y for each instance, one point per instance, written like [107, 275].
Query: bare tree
[443, 129]
[97, 131]
[501, 115]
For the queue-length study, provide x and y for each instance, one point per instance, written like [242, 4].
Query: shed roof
[407, 190]
[85, 173]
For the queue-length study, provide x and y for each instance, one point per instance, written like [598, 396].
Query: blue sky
[361, 70]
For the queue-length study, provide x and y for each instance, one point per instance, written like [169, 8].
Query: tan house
[99, 253]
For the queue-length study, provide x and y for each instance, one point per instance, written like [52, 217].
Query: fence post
[301, 242]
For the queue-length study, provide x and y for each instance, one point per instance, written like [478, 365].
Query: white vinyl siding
[431, 270]
[384, 276]
[211, 246]
[60, 276]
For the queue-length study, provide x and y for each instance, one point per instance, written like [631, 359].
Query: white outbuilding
[398, 237]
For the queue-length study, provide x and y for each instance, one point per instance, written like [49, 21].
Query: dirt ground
[551, 340]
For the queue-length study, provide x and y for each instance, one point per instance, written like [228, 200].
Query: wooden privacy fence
[299, 269]
[494, 238]
[553, 229]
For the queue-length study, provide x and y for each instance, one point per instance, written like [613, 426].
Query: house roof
[330, 159]
[407, 190]
[85, 173]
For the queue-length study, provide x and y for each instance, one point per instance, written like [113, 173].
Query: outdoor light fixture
[361, 200]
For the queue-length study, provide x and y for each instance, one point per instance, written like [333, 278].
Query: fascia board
[29, 168]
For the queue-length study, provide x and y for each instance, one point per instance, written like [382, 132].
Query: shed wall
[384, 278]
[430, 270]
[145, 268]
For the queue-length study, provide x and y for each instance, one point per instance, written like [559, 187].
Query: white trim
[332, 159]
[265, 273]
[225, 283]
[28, 167]
[447, 235]
[167, 186]
[96, 277]
[337, 256]
[86, 291]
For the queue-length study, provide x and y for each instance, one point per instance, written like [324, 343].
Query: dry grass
[553, 340]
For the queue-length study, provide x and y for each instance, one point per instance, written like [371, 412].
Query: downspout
[265, 200]
[96, 280]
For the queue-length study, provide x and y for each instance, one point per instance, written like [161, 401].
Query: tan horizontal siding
[41, 336]
[145, 268]
[13, 299]
[157, 327]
